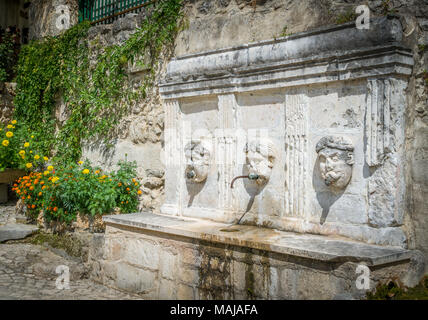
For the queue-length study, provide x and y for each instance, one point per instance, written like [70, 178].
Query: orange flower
[36, 181]
[140, 192]
[42, 182]
[31, 188]
[119, 184]
[33, 206]
[29, 197]
[40, 194]
[43, 188]
[127, 189]
[55, 209]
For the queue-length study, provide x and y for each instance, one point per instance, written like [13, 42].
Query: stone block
[16, 231]
[185, 292]
[142, 253]
[135, 280]
[239, 270]
[168, 265]
[188, 275]
[167, 289]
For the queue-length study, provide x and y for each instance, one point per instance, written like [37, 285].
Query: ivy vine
[96, 95]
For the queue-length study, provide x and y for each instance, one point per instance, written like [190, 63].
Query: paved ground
[28, 271]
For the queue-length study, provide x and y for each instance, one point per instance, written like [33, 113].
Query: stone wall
[158, 265]
[51, 17]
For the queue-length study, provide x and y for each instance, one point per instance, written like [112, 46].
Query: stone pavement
[28, 272]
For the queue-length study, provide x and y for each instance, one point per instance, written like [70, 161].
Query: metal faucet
[191, 174]
[251, 176]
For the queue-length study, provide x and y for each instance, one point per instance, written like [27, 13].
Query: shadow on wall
[193, 188]
[325, 196]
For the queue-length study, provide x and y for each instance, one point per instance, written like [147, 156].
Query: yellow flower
[45, 158]
[55, 179]
[13, 121]
[9, 134]
[80, 162]
[26, 145]
[46, 173]
[85, 171]
[32, 137]
[21, 153]
[9, 126]
[5, 143]
[36, 157]
[31, 151]
[50, 168]
[29, 165]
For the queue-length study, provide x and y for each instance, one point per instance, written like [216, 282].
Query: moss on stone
[392, 291]
[71, 245]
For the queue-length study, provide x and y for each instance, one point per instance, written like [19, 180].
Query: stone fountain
[283, 173]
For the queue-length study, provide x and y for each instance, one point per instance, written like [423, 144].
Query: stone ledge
[333, 53]
[315, 247]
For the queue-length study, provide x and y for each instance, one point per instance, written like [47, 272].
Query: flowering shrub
[64, 192]
[18, 148]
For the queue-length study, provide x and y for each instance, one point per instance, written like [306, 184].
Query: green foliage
[386, 7]
[284, 32]
[348, 16]
[18, 148]
[9, 48]
[65, 191]
[96, 95]
[392, 291]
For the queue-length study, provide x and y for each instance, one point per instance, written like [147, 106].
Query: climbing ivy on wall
[97, 95]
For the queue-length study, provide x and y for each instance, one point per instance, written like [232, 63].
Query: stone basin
[168, 257]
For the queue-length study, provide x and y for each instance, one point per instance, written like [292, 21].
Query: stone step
[15, 231]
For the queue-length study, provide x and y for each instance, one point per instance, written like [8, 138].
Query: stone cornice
[327, 54]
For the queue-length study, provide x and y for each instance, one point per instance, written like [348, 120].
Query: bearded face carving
[197, 161]
[336, 159]
[260, 156]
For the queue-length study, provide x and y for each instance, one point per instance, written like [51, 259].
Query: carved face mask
[197, 162]
[259, 164]
[336, 167]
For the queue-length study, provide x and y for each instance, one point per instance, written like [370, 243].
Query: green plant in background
[19, 148]
[63, 192]
[392, 291]
[96, 95]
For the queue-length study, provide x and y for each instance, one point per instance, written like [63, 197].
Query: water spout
[251, 176]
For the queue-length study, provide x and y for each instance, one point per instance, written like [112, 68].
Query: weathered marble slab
[315, 247]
